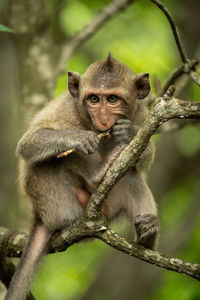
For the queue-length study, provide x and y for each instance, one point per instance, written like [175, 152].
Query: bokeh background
[140, 37]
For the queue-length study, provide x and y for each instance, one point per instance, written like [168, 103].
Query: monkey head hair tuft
[108, 64]
[107, 72]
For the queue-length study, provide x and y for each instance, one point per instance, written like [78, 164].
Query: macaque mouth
[103, 128]
[106, 134]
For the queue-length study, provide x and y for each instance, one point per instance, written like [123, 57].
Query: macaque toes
[107, 97]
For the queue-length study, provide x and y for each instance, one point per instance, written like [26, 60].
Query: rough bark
[93, 223]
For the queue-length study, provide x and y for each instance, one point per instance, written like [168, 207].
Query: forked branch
[93, 223]
[166, 108]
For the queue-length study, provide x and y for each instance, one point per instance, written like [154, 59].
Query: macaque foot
[147, 227]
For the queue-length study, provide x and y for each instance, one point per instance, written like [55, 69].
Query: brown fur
[60, 188]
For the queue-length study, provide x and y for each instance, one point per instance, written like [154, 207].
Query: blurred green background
[141, 38]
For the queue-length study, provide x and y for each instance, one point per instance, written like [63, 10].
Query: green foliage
[74, 16]
[61, 85]
[189, 140]
[195, 91]
[77, 63]
[177, 203]
[143, 45]
[5, 28]
[69, 273]
[176, 286]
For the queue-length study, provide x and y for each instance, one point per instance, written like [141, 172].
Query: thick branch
[75, 234]
[100, 19]
[164, 110]
[12, 242]
[93, 223]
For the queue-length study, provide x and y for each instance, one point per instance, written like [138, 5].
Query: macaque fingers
[95, 142]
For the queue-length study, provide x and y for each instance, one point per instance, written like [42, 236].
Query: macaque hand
[86, 142]
[124, 131]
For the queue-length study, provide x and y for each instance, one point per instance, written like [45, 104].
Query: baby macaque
[107, 97]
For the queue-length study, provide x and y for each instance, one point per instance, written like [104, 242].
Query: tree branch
[177, 124]
[70, 46]
[188, 66]
[166, 108]
[195, 77]
[150, 256]
[7, 272]
[67, 237]
[175, 31]
[93, 223]
[90, 29]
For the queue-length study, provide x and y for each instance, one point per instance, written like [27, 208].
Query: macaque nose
[104, 120]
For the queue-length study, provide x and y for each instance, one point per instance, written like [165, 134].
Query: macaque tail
[32, 256]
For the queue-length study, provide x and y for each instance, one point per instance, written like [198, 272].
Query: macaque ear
[142, 85]
[73, 84]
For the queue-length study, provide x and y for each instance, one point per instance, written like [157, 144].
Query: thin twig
[186, 68]
[173, 77]
[175, 31]
[90, 29]
[195, 77]
[177, 124]
[174, 264]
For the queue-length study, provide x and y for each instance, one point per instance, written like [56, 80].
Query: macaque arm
[146, 158]
[44, 143]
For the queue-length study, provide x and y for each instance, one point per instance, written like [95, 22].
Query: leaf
[5, 28]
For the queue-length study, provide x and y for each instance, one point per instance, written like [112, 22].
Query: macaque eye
[94, 98]
[112, 98]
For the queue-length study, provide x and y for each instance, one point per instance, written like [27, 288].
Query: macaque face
[107, 91]
[105, 107]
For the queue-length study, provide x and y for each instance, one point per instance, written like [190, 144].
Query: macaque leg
[142, 209]
[147, 228]
[92, 181]
[98, 175]
[83, 197]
